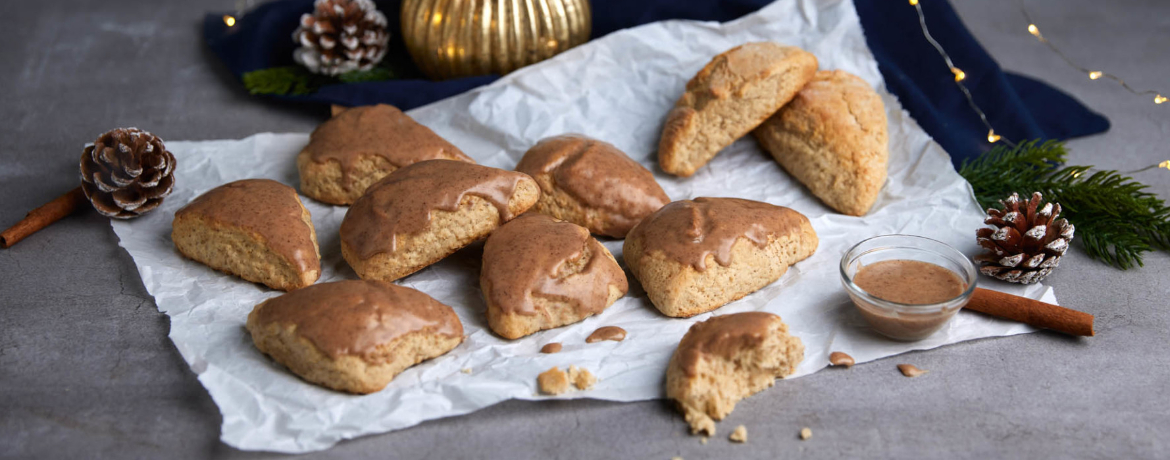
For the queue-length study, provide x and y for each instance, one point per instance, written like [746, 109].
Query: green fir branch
[1116, 219]
[297, 80]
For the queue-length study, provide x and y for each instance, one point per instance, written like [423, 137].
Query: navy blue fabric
[1018, 107]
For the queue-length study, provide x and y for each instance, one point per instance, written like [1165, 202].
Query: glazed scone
[832, 138]
[695, 256]
[725, 359]
[360, 146]
[540, 273]
[424, 212]
[592, 184]
[352, 335]
[256, 229]
[733, 94]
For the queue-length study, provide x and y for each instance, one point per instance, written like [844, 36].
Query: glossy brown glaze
[402, 203]
[380, 130]
[538, 256]
[267, 208]
[356, 317]
[723, 336]
[909, 282]
[549, 348]
[599, 175]
[688, 231]
[613, 333]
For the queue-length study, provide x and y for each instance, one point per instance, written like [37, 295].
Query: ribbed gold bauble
[459, 38]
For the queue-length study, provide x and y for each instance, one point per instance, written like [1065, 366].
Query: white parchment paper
[617, 88]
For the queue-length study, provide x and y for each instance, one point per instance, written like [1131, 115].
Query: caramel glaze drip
[909, 282]
[380, 130]
[538, 256]
[723, 336]
[402, 202]
[613, 333]
[688, 231]
[355, 317]
[599, 175]
[267, 208]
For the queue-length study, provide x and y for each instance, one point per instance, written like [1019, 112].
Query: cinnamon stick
[43, 216]
[1031, 312]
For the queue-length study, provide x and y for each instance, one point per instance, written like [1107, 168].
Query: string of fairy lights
[1034, 30]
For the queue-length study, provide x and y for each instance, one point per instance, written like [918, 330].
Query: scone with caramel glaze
[424, 212]
[353, 336]
[256, 229]
[832, 138]
[592, 184]
[729, 97]
[695, 256]
[725, 359]
[360, 146]
[540, 273]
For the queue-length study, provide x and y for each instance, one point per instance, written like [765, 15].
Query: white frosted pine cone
[341, 36]
[1026, 240]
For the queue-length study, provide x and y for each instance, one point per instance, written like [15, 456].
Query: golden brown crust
[833, 138]
[729, 97]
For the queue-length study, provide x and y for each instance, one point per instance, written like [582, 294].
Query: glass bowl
[901, 321]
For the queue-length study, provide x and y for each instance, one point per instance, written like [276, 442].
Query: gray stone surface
[87, 371]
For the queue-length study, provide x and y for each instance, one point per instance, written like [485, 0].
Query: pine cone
[127, 172]
[1027, 241]
[340, 36]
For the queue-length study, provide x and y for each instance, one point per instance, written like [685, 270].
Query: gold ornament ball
[461, 38]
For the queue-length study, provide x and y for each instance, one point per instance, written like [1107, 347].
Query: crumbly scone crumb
[581, 378]
[676, 457]
[739, 435]
[703, 440]
[911, 370]
[553, 381]
[466, 370]
[805, 433]
[838, 358]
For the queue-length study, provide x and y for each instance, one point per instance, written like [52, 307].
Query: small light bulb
[1032, 29]
[991, 136]
[1164, 164]
[1158, 99]
[913, 2]
[1095, 74]
[229, 20]
[959, 74]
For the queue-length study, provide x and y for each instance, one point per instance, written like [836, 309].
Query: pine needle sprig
[297, 80]
[1116, 219]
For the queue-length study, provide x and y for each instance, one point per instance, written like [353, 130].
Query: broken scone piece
[731, 96]
[256, 229]
[555, 381]
[424, 212]
[695, 256]
[361, 145]
[540, 273]
[354, 335]
[725, 359]
[832, 138]
[592, 184]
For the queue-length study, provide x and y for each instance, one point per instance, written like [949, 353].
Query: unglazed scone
[592, 184]
[424, 212]
[695, 256]
[832, 138]
[540, 273]
[733, 94]
[360, 146]
[353, 336]
[725, 359]
[256, 229]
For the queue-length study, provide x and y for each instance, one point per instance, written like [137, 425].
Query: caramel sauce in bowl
[907, 287]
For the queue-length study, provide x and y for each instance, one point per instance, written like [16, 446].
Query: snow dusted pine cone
[127, 172]
[1026, 242]
[340, 36]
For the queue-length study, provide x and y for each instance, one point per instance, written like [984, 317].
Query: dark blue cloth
[1018, 107]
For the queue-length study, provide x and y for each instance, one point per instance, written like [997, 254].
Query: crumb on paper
[739, 435]
[553, 381]
[581, 378]
[911, 370]
[805, 433]
[466, 370]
